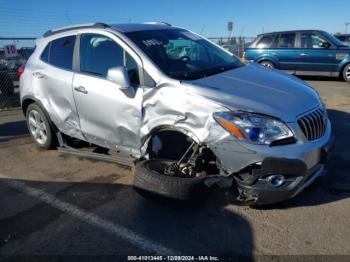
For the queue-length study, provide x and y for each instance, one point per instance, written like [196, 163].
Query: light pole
[346, 27]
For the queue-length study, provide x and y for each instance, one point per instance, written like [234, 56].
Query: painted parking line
[92, 219]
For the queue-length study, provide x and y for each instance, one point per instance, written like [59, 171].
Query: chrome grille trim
[313, 124]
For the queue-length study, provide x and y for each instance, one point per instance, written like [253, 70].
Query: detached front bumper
[257, 189]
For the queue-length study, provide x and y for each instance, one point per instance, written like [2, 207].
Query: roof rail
[157, 23]
[78, 26]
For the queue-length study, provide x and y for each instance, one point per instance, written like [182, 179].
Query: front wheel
[39, 127]
[151, 176]
[346, 73]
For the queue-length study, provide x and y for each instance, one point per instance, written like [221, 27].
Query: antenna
[202, 30]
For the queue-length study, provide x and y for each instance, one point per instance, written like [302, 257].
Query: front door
[109, 117]
[313, 58]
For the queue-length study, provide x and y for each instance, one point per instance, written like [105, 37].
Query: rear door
[109, 116]
[283, 51]
[55, 75]
[314, 59]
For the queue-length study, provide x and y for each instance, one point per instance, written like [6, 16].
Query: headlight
[253, 128]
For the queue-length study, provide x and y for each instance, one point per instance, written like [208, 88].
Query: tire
[6, 85]
[151, 182]
[346, 73]
[267, 64]
[40, 130]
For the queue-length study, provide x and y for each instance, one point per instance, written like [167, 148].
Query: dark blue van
[303, 52]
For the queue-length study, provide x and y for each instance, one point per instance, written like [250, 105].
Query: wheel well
[168, 144]
[341, 70]
[26, 103]
[29, 101]
[177, 146]
[267, 60]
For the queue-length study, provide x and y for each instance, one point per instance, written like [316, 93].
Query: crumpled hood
[258, 89]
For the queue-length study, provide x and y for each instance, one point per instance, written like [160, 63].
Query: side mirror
[323, 44]
[119, 76]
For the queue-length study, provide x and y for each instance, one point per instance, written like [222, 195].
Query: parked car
[25, 53]
[189, 121]
[304, 52]
[345, 38]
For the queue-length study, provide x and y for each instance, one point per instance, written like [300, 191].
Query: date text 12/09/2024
[173, 258]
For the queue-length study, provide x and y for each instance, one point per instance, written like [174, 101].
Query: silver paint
[110, 116]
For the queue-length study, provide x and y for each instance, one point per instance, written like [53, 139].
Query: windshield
[335, 40]
[182, 55]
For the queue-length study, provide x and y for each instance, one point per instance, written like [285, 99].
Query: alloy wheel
[37, 127]
[267, 64]
[347, 73]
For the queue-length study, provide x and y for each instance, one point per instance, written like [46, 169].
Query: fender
[24, 103]
[343, 63]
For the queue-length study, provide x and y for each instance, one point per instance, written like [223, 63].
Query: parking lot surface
[54, 204]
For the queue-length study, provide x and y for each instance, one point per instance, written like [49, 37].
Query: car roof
[291, 31]
[127, 28]
[123, 28]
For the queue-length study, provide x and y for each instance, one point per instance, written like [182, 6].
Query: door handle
[81, 89]
[38, 75]
[304, 54]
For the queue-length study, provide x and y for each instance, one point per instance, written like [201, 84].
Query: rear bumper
[258, 190]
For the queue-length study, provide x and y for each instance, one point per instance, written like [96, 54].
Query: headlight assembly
[253, 128]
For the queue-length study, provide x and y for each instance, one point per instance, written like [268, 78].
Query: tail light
[20, 70]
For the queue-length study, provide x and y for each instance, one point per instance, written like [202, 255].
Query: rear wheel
[346, 73]
[39, 127]
[267, 64]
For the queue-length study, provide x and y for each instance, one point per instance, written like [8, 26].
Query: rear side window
[45, 54]
[265, 41]
[286, 40]
[60, 52]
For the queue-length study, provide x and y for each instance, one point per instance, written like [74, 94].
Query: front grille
[314, 124]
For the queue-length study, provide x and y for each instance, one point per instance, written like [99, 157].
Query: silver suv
[189, 113]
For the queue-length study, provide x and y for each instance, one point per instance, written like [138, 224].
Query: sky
[20, 18]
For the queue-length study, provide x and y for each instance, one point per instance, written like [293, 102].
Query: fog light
[276, 180]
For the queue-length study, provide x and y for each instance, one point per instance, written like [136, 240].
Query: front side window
[61, 52]
[311, 40]
[182, 55]
[99, 53]
[286, 40]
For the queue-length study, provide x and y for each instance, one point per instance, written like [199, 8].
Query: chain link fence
[14, 52]
[235, 45]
